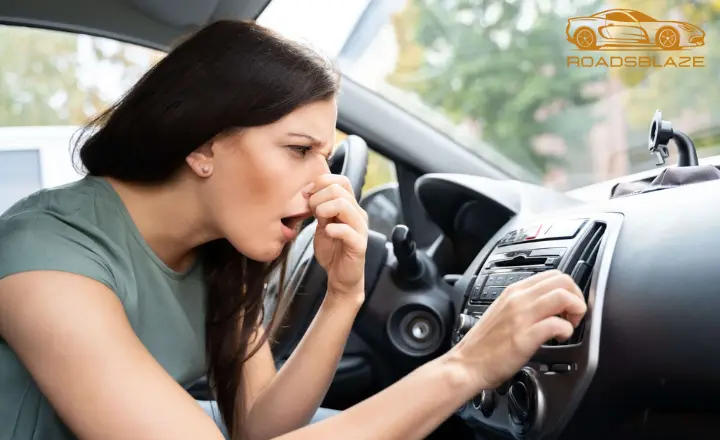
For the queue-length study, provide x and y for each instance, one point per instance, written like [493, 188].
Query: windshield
[508, 80]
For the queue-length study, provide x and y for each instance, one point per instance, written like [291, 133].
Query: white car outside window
[32, 158]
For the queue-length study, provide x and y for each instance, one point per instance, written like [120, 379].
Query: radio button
[511, 278]
[477, 310]
[561, 368]
[475, 294]
[522, 275]
[552, 261]
[495, 292]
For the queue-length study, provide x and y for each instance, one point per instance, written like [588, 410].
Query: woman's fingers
[526, 315]
[330, 192]
[544, 282]
[343, 210]
[331, 186]
[550, 293]
[324, 195]
[535, 279]
[334, 198]
[547, 329]
[561, 302]
[328, 179]
[350, 238]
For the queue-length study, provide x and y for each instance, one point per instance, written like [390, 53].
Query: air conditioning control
[526, 405]
[520, 405]
[485, 402]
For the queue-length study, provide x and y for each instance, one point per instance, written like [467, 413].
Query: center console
[539, 400]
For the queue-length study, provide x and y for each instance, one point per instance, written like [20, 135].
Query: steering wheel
[303, 273]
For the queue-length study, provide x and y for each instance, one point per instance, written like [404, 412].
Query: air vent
[581, 263]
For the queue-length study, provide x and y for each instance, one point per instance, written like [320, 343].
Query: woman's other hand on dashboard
[525, 316]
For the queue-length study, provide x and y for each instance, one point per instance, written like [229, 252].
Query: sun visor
[153, 23]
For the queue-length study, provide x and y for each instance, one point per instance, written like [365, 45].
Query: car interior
[453, 226]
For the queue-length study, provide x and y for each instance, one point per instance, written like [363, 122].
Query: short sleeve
[39, 240]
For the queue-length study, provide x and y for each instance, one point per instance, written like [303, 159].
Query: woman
[120, 289]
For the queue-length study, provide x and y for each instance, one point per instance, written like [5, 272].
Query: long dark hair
[230, 74]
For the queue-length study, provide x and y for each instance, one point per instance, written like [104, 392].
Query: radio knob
[464, 323]
[485, 402]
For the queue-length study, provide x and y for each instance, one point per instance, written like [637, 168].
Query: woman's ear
[201, 160]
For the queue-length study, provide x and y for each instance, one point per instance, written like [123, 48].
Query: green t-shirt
[84, 228]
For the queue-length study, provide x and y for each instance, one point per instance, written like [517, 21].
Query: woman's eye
[301, 150]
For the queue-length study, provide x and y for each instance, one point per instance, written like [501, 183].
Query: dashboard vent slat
[582, 261]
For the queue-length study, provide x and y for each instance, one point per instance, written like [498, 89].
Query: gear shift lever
[404, 247]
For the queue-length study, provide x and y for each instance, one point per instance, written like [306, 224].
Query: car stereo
[537, 400]
[520, 254]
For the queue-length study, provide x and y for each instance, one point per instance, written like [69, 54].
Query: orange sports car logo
[628, 29]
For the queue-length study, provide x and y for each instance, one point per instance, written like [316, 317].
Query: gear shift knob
[404, 248]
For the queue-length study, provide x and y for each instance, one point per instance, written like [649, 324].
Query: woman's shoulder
[62, 228]
[64, 200]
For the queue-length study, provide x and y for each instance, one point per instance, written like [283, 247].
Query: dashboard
[643, 363]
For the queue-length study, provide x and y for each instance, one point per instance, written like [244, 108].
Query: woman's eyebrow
[313, 140]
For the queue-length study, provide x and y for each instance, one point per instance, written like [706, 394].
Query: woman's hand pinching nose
[341, 236]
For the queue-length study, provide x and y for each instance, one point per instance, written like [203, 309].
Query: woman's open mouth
[291, 224]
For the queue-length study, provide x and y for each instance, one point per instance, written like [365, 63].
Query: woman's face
[253, 180]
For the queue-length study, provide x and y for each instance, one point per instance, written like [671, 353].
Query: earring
[205, 169]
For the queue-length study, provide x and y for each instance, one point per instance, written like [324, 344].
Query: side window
[51, 82]
[19, 175]
[619, 16]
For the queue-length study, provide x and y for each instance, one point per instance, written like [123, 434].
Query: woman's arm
[72, 335]
[410, 409]
[291, 397]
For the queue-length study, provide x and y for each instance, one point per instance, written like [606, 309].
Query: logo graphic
[628, 29]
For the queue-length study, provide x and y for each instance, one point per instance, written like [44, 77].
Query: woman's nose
[324, 167]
